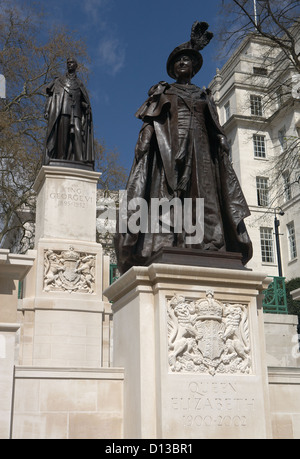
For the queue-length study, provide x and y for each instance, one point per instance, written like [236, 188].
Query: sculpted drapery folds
[182, 152]
[70, 127]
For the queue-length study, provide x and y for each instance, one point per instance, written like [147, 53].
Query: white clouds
[95, 10]
[111, 53]
[93, 6]
[110, 50]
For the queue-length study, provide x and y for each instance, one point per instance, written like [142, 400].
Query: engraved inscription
[208, 336]
[217, 404]
[71, 197]
[68, 270]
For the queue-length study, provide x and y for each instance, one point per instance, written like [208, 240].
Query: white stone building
[259, 108]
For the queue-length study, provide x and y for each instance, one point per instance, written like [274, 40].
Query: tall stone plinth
[66, 204]
[191, 342]
[63, 303]
[62, 385]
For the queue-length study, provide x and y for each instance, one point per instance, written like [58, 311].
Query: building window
[287, 190]
[260, 71]
[266, 244]
[262, 189]
[259, 146]
[292, 240]
[227, 110]
[256, 105]
[282, 138]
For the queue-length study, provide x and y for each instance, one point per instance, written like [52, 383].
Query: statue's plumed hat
[200, 37]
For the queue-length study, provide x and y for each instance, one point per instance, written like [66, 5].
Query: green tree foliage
[293, 305]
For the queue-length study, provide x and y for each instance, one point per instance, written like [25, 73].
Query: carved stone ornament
[68, 270]
[207, 336]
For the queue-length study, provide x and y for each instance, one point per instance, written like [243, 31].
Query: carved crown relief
[207, 336]
[68, 270]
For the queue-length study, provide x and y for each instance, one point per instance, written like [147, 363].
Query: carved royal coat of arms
[68, 270]
[208, 336]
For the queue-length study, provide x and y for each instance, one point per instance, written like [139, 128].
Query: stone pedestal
[191, 341]
[63, 304]
[62, 386]
[66, 204]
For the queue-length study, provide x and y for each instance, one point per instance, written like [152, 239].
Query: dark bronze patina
[69, 138]
[182, 151]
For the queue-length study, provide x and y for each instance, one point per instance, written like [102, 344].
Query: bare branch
[29, 65]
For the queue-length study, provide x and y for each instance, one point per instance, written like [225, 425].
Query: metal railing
[113, 273]
[275, 300]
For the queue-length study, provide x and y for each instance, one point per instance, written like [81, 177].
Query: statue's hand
[183, 183]
[224, 145]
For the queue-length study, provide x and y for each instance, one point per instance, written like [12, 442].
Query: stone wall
[67, 403]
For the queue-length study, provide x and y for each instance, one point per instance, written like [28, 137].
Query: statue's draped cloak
[180, 138]
[56, 91]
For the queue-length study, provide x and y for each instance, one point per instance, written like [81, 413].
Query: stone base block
[191, 342]
[284, 387]
[282, 340]
[7, 360]
[67, 403]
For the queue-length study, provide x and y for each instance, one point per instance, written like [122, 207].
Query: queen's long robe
[178, 153]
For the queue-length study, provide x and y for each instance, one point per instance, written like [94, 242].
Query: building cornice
[235, 120]
[256, 121]
[291, 202]
[236, 56]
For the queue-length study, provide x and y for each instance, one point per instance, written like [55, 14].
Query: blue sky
[129, 42]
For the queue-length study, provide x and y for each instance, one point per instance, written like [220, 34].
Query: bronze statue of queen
[182, 151]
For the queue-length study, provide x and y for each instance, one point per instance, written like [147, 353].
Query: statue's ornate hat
[200, 37]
